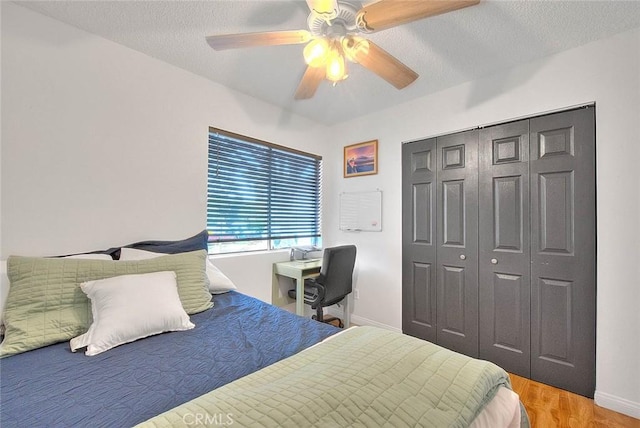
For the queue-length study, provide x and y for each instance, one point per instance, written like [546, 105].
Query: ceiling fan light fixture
[336, 67]
[315, 52]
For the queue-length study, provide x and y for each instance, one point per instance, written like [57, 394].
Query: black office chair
[334, 282]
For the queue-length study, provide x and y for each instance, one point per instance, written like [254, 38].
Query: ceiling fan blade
[247, 40]
[385, 65]
[310, 82]
[389, 13]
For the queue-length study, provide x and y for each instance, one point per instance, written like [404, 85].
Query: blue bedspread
[52, 386]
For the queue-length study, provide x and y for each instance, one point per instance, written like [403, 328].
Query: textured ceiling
[445, 50]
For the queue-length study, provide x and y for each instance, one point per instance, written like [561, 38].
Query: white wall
[0, 139]
[606, 72]
[103, 145]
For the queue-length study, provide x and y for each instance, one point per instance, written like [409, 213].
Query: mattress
[129, 384]
[504, 410]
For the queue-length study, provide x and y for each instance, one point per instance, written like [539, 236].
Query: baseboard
[620, 405]
[358, 320]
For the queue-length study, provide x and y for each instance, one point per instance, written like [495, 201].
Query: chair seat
[310, 294]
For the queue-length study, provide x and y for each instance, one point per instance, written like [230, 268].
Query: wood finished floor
[552, 407]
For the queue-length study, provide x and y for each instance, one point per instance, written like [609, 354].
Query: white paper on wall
[361, 211]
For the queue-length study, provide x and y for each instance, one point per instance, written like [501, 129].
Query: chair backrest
[336, 273]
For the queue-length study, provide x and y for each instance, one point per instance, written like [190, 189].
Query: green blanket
[364, 377]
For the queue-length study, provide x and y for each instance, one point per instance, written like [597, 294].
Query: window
[260, 196]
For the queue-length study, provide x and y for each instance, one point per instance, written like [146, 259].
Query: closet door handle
[463, 257]
[494, 261]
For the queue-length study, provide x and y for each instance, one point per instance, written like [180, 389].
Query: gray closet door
[499, 246]
[504, 261]
[418, 239]
[457, 242]
[562, 172]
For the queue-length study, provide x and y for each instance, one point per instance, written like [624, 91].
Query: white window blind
[261, 191]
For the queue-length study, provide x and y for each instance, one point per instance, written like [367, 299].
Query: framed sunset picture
[361, 159]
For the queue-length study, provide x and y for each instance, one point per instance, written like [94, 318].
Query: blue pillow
[113, 252]
[195, 243]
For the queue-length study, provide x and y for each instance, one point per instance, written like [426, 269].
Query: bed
[244, 363]
[51, 386]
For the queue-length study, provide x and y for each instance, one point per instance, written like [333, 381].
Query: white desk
[299, 270]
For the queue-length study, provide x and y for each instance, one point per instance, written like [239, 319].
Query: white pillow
[218, 282]
[129, 307]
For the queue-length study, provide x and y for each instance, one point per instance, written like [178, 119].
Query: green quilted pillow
[45, 304]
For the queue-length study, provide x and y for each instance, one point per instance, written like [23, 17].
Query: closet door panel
[504, 261]
[418, 239]
[457, 242]
[563, 250]
[499, 245]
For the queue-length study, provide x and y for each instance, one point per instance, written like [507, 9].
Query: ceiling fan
[334, 34]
